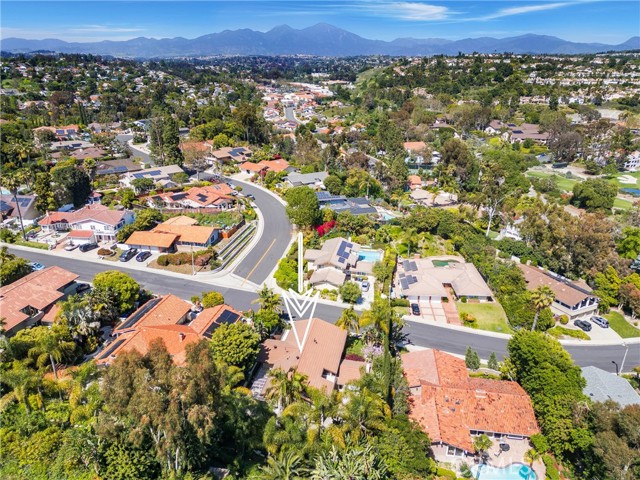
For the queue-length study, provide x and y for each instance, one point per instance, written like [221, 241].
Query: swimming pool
[443, 263]
[515, 471]
[372, 256]
[632, 191]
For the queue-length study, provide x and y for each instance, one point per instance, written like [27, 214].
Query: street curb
[122, 265]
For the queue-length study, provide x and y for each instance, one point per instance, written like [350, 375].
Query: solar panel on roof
[179, 196]
[404, 283]
[112, 348]
[4, 206]
[209, 331]
[341, 260]
[405, 264]
[138, 314]
[413, 267]
[154, 173]
[228, 317]
[24, 202]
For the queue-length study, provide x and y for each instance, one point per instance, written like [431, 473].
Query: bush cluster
[200, 258]
[106, 252]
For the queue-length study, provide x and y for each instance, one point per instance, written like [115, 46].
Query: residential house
[428, 279]
[431, 199]
[340, 203]
[25, 203]
[573, 299]
[100, 220]
[261, 168]
[160, 175]
[602, 386]
[414, 182]
[199, 236]
[415, 147]
[453, 408]
[314, 180]
[152, 241]
[527, 131]
[229, 154]
[219, 197]
[92, 152]
[316, 353]
[117, 167]
[171, 320]
[26, 301]
[68, 145]
[338, 259]
[632, 163]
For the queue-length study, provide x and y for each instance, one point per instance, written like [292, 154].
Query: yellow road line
[261, 258]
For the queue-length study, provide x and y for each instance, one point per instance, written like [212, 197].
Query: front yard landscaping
[489, 316]
[621, 326]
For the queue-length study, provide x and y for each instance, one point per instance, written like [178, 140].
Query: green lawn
[490, 315]
[563, 183]
[621, 326]
[622, 204]
[616, 179]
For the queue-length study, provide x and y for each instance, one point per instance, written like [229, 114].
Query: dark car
[415, 309]
[142, 256]
[81, 287]
[601, 322]
[128, 254]
[85, 247]
[583, 325]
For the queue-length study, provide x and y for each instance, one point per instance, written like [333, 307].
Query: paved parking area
[597, 333]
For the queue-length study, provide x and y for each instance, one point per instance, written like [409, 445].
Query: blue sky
[604, 21]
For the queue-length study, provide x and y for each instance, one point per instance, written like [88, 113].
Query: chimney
[182, 336]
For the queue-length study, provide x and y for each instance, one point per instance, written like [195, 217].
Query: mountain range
[321, 39]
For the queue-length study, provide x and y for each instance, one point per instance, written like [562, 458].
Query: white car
[70, 246]
[35, 266]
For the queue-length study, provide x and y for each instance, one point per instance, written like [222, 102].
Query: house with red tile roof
[219, 196]
[453, 408]
[170, 320]
[320, 359]
[99, 219]
[264, 166]
[26, 301]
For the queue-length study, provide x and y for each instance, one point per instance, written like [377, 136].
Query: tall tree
[12, 182]
[542, 297]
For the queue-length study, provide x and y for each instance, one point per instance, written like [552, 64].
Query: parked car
[601, 322]
[142, 256]
[81, 287]
[35, 266]
[248, 195]
[128, 254]
[415, 309]
[85, 247]
[365, 286]
[70, 246]
[583, 325]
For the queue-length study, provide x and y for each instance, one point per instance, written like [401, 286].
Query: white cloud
[418, 11]
[507, 12]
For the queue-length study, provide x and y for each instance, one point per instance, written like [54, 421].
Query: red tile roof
[448, 404]
[39, 290]
[566, 292]
[151, 239]
[80, 234]
[209, 316]
[322, 351]
[170, 310]
[96, 212]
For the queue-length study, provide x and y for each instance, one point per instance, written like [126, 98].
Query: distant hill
[320, 39]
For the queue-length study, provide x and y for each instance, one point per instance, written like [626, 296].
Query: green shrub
[559, 331]
[549, 464]
[163, 260]
[443, 472]
[400, 302]
[463, 299]
[468, 320]
[106, 252]
[564, 319]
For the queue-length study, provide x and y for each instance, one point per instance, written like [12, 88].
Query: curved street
[263, 258]
[434, 336]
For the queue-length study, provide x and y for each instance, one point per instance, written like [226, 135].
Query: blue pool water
[632, 191]
[370, 256]
[515, 471]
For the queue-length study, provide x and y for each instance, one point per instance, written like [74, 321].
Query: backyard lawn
[622, 204]
[490, 316]
[563, 183]
[621, 326]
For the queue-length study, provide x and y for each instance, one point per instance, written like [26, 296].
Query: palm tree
[532, 455]
[363, 414]
[268, 299]
[542, 297]
[23, 381]
[12, 182]
[349, 321]
[286, 387]
[51, 348]
[287, 466]
[90, 165]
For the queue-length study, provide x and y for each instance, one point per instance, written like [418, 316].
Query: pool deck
[516, 454]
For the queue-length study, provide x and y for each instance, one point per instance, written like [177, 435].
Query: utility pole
[300, 263]
[193, 263]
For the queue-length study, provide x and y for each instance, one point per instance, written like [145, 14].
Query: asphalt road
[448, 340]
[290, 115]
[264, 256]
[134, 151]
